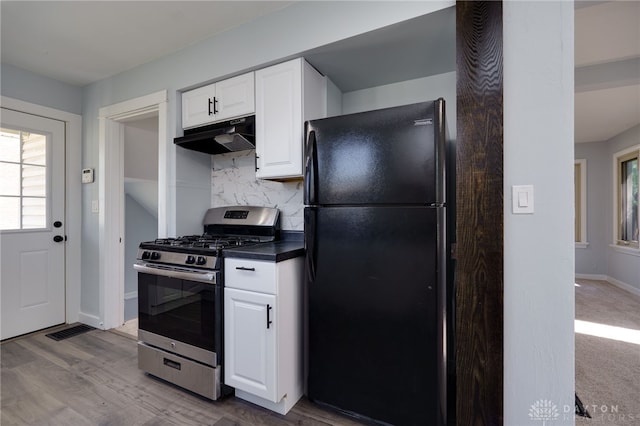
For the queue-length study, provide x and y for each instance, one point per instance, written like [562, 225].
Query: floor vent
[70, 332]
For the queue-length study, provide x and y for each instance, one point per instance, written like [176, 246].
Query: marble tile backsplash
[233, 182]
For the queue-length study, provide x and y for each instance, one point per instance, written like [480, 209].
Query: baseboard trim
[91, 320]
[624, 286]
[620, 284]
[595, 277]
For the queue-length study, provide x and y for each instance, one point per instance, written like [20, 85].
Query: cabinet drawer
[251, 275]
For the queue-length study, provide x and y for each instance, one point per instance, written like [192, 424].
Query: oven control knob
[145, 255]
[190, 260]
[155, 255]
[201, 260]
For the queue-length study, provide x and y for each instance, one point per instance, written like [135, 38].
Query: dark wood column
[479, 214]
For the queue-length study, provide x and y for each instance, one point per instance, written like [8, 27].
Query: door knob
[58, 238]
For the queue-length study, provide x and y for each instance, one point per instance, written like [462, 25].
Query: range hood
[219, 138]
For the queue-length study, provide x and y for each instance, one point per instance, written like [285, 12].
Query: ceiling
[82, 45]
[607, 64]
[79, 42]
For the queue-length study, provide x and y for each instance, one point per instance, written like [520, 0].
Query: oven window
[186, 311]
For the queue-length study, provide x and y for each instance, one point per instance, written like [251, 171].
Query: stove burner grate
[206, 241]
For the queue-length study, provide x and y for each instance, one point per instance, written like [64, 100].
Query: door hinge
[454, 251]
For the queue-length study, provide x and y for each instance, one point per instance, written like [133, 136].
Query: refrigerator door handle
[310, 244]
[310, 170]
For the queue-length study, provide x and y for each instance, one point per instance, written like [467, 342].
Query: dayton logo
[544, 410]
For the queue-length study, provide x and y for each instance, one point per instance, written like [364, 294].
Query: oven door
[180, 309]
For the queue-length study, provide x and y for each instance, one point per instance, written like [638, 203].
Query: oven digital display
[236, 214]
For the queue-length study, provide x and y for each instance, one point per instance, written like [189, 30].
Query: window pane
[9, 145]
[9, 179]
[34, 212]
[34, 181]
[23, 179]
[9, 213]
[629, 193]
[34, 148]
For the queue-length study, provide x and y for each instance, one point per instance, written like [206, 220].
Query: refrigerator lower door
[372, 293]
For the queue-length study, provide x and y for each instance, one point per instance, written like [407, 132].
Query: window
[580, 193]
[23, 179]
[627, 197]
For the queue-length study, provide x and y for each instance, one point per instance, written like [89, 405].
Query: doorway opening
[136, 197]
[140, 203]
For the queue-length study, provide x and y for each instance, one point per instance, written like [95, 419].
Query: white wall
[139, 226]
[602, 258]
[539, 247]
[407, 92]
[30, 87]
[592, 260]
[141, 149]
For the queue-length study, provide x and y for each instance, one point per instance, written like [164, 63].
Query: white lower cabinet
[263, 331]
[250, 340]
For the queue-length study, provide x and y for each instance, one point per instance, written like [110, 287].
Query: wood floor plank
[13, 356]
[35, 408]
[98, 404]
[93, 379]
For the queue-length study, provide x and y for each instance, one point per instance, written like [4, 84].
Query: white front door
[32, 228]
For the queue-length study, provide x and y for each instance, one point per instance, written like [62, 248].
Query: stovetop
[224, 227]
[200, 251]
[200, 242]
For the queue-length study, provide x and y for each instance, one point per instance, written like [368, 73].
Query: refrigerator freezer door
[380, 157]
[373, 311]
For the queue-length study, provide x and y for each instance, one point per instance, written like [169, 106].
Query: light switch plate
[522, 199]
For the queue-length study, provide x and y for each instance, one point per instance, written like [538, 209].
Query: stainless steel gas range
[180, 297]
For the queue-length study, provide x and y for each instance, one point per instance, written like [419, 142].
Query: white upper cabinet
[287, 95]
[234, 97]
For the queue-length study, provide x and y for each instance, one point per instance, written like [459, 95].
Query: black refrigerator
[375, 266]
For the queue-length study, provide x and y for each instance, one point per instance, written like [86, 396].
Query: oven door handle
[190, 275]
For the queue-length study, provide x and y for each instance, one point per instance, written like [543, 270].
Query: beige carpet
[607, 369]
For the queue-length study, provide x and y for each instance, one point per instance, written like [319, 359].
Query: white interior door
[32, 229]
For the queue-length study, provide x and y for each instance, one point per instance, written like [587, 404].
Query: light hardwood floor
[93, 379]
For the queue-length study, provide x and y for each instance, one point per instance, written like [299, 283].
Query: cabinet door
[250, 350]
[197, 106]
[235, 97]
[279, 120]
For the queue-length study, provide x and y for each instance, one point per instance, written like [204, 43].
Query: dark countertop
[289, 247]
